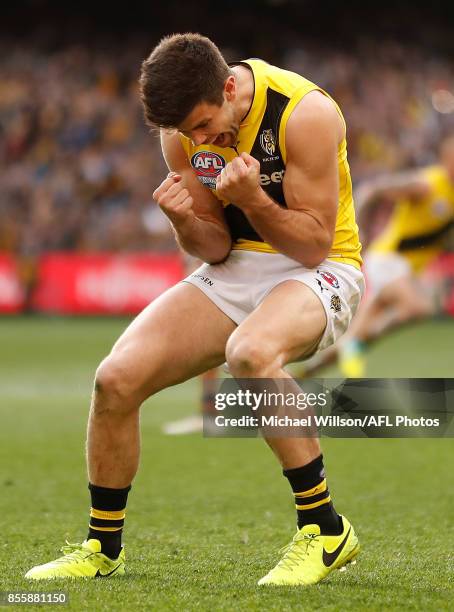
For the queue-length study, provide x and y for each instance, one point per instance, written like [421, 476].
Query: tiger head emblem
[268, 142]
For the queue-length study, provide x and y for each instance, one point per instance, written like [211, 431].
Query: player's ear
[230, 88]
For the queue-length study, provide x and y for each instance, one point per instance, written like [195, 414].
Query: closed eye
[200, 126]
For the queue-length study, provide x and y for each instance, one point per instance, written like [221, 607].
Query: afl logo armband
[208, 166]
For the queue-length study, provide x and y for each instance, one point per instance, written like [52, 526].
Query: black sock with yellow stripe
[107, 517]
[312, 498]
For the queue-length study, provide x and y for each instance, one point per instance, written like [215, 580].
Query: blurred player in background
[402, 285]
[259, 188]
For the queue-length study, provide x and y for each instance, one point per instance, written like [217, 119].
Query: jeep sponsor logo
[274, 177]
[207, 166]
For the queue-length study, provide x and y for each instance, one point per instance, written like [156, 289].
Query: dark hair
[182, 71]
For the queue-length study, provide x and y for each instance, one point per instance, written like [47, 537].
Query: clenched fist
[238, 182]
[174, 199]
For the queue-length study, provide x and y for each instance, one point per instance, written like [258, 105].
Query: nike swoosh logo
[330, 557]
[99, 575]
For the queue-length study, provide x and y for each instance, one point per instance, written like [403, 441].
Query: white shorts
[239, 284]
[381, 269]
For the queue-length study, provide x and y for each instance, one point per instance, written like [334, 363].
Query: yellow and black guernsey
[262, 135]
[416, 229]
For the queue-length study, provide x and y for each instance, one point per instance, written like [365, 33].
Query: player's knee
[422, 310]
[113, 380]
[247, 356]
[414, 310]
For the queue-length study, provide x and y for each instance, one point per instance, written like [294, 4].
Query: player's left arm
[304, 230]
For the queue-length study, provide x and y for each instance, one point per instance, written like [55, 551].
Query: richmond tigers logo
[268, 142]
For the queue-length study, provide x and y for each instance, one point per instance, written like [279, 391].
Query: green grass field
[206, 517]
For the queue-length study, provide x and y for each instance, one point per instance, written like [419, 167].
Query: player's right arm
[195, 213]
[411, 185]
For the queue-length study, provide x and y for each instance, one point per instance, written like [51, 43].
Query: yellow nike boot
[80, 561]
[310, 556]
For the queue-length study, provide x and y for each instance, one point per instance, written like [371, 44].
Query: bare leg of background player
[400, 302]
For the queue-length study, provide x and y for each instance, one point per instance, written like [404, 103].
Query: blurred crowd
[78, 166]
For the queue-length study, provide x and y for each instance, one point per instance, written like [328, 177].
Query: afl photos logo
[268, 142]
[207, 166]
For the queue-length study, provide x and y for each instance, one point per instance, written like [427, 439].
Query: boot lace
[297, 551]
[73, 552]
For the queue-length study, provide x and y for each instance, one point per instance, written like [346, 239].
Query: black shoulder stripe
[422, 240]
[267, 151]
[275, 106]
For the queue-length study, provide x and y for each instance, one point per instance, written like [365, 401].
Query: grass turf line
[207, 517]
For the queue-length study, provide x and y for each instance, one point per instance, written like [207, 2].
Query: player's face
[211, 124]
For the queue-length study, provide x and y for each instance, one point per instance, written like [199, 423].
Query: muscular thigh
[179, 335]
[288, 323]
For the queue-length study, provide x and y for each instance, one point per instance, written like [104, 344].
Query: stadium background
[79, 233]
